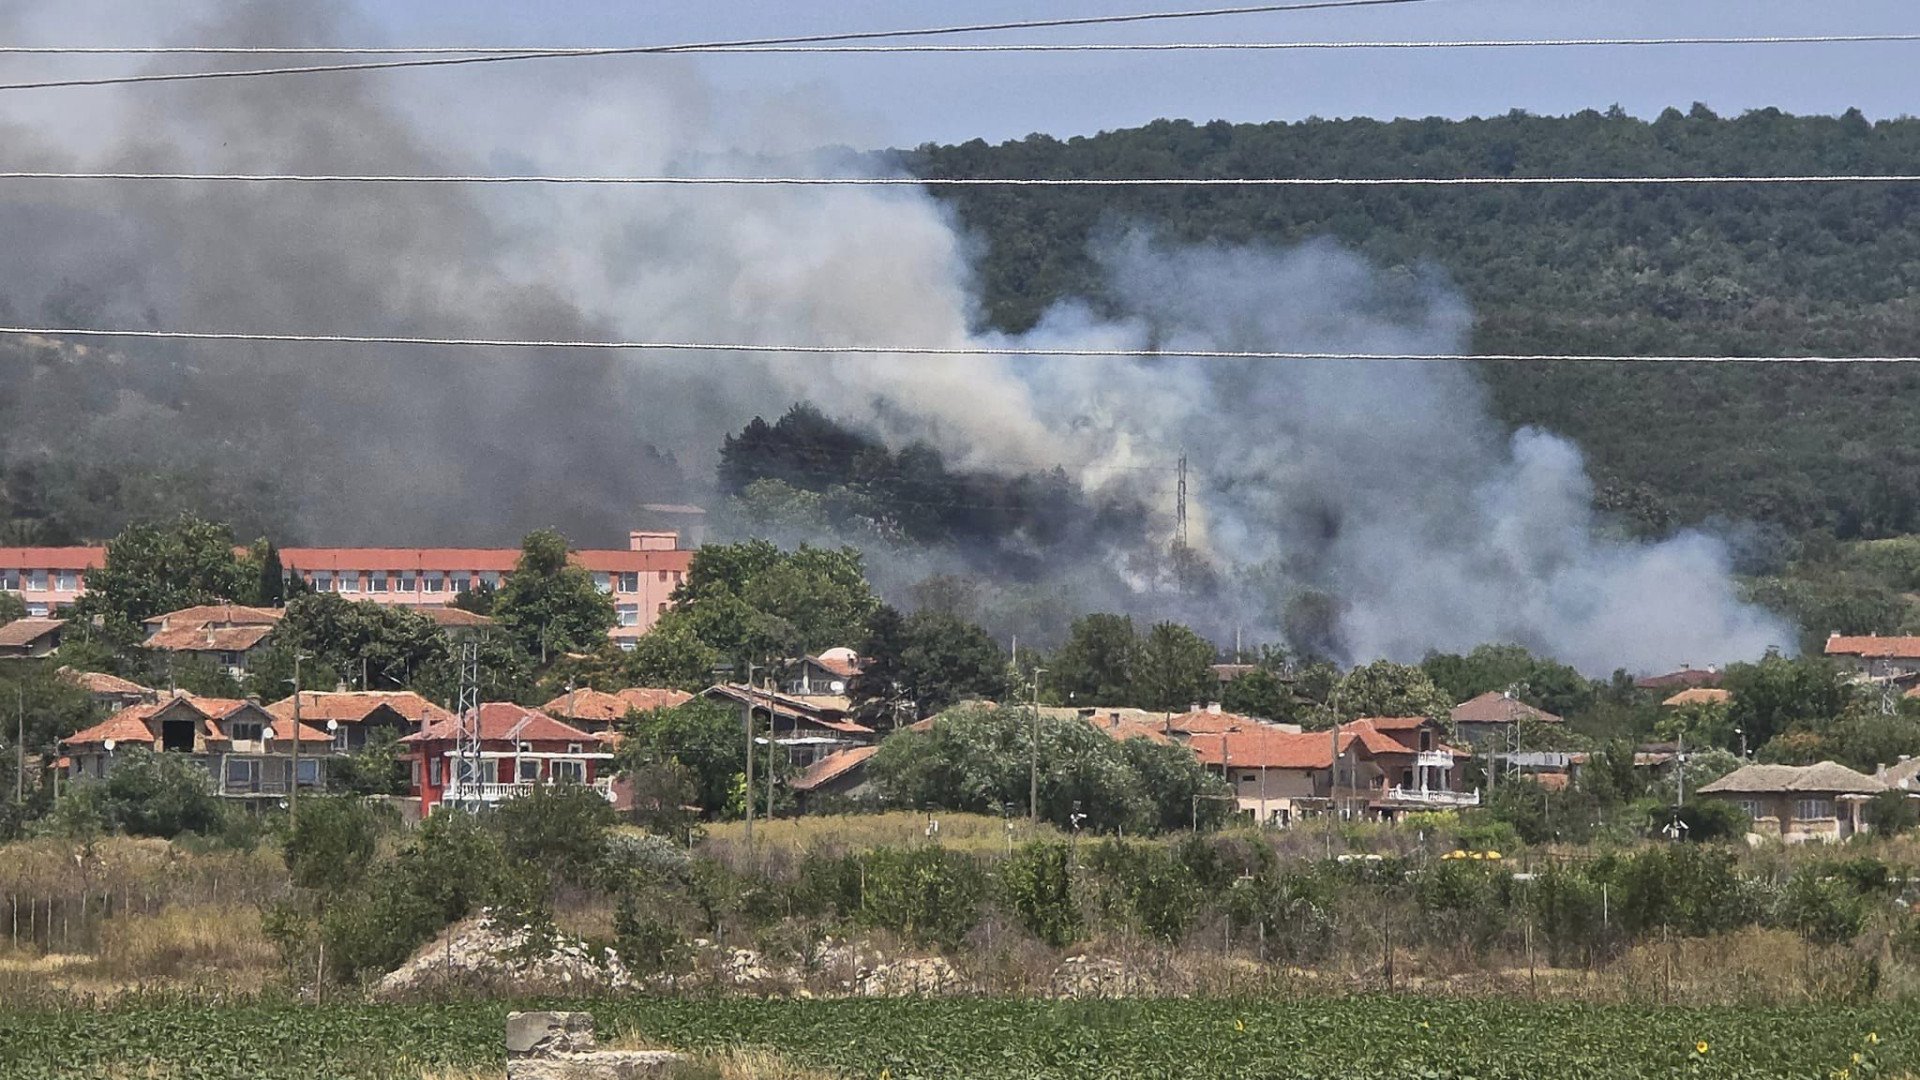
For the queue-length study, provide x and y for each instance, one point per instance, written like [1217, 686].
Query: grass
[975, 833]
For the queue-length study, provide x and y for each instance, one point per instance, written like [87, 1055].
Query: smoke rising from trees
[1358, 509]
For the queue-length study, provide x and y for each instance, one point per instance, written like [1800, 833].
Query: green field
[991, 1039]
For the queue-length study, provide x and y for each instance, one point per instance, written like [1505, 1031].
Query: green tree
[548, 605]
[331, 843]
[379, 767]
[1260, 693]
[1778, 694]
[373, 646]
[1097, 663]
[560, 828]
[1384, 688]
[271, 590]
[1174, 669]
[703, 737]
[11, 607]
[163, 795]
[153, 568]
[925, 663]
[672, 655]
[752, 600]
[1542, 683]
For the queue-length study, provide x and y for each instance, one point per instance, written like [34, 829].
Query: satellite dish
[837, 686]
[333, 725]
[267, 732]
[110, 746]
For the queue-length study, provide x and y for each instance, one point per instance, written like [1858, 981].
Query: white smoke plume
[1385, 487]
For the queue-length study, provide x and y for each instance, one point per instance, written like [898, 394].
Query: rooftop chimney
[1213, 707]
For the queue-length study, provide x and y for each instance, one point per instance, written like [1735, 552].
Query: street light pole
[293, 789]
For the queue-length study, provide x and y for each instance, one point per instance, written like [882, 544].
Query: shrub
[929, 894]
[1145, 886]
[1822, 908]
[1037, 883]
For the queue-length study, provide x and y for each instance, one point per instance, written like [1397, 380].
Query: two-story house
[30, 638]
[1875, 657]
[356, 717]
[48, 579]
[514, 749]
[225, 635]
[247, 751]
[805, 729]
[1376, 767]
[598, 711]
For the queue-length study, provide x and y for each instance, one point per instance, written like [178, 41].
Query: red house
[519, 749]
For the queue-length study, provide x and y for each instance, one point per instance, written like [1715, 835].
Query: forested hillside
[1825, 269]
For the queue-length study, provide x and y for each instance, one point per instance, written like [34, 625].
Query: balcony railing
[1432, 797]
[500, 792]
[1433, 759]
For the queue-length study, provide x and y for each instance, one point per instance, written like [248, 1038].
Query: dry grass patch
[187, 941]
[978, 833]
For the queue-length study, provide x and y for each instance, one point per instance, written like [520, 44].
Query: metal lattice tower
[466, 757]
[1180, 505]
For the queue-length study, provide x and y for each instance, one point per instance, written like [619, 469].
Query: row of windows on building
[433, 581]
[1803, 809]
[36, 580]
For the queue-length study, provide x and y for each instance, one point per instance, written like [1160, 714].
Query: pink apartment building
[641, 578]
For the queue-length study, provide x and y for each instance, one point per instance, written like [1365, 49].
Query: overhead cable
[974, 181]
[1037, 352]
[711, 46]
[1004, 47]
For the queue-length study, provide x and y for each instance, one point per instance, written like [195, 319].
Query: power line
[710, 46]
[486, 51]
[928, 350]
[973, 181]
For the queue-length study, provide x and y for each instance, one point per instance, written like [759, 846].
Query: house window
[323, 583]
[350, 582]
[433, 772]
[529, 770]
[603, 582]
[243, 731]
[10, 580]
[678, 577]
[340, 738]
[1749, 807]
[36, 610]
[573, 748]
[407, 581]
[377, 581]
[1249, 778]
[462, 581]
[37, 580]
[1426, 740]
[630, 582]
[661, 610]
[629, 614]
[490, 578]
[413, 772]
[663, 575]
[435, 581]
[241, 771]
[523, 748]
[572, 771]
[1812, 809]
[309, 771]
[68, 581]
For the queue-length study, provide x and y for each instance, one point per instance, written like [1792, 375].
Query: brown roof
[824, 711]
[1825, 778]
[1700, 695]
[1266, 748]
[602, 707]
[353, 707]
[1902, 774]
[96, 682]
[1681, 679]
[1208, 722]
[209, 639]
[832, 767]
[1494, 707]
[503, 721]
[1874, 646]
[446, 615]
[1397, 723]
[131, 724]
[649, 698]
[217, 615]
[839, 662]
[21, 633]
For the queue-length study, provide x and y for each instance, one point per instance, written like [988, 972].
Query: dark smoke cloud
[1386, 488]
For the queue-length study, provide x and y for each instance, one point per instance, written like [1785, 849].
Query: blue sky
[904, 100]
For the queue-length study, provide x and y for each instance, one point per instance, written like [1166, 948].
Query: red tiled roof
[503, 721]
[473, 560]
[1873, 646]
[446, 615]
[203, 639]
[21, 633]
[1207, 722]
[1396, 723]
[1699, 695]
[838, 662]
[649, 698]
[1494, 707]
[217, 615]
[353, 707]
[129, 725]
[1269, 749]
[96, 682]
[53, 558]
[832, 767]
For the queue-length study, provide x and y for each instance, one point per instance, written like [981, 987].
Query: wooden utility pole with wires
[20, 748]
[293, 788]
[1033, 754]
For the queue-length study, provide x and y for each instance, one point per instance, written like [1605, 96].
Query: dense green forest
[1730, 270]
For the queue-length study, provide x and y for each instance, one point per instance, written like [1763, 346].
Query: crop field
[1395, 1038]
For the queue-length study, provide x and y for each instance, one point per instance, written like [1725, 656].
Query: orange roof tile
[1494, 707]
[96, 682]
[503, 721]
[217, 615]
[1269, 749]
[649, 698]
[21, 633]
[1699, 695]
[53, 558]
[353, 707]
[1873, 646]
[447, 615]
[1208, 722]
[832, 767]
[129, 725]
[588, 704]
[203, 639]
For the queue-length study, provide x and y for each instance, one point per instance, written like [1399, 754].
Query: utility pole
[1033, 763]
[293, 789]
[20, 777]
[748, 786]
[767, 681]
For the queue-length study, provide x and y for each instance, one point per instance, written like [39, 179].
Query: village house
[357, 716]
[828, 675]
[1876, 657]
[1209, 719]
[1903, 774]
[1679, 680]
[516, 749]
[248, 753]
[1698, 695]
[1798, 802]
[109, 691]
[1377, 767]
[30, 638]
[806, 729]
[224, 635]
[1494, 716]
[598, 711]
[48, 579]
[841, 775]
